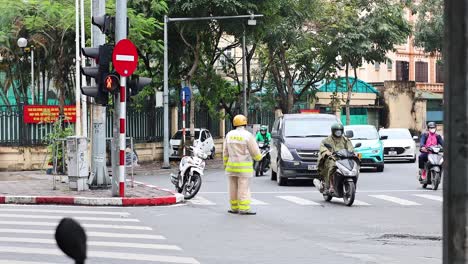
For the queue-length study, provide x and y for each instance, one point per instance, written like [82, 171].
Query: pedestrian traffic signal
[111, 83]
[102, 56]
[136, 83]
[105, 23]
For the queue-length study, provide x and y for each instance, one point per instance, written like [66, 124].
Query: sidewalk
[37, 188]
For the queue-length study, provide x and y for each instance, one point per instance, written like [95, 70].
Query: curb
[96, 201]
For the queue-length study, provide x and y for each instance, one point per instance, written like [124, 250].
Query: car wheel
[273, 175]
[380, 168]
[212, 155]
[280, 180]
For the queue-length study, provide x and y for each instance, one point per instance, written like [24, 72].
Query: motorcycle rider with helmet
[326, 161]
[429, 139]
[263, 135]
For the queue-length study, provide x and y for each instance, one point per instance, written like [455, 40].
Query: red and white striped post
[183, 121]
[122, 136]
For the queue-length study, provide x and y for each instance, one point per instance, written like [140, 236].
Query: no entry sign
[125, 57]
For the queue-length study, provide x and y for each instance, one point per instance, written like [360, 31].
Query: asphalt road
[394, 221]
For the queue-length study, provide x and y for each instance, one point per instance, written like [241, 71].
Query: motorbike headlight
[285, 153]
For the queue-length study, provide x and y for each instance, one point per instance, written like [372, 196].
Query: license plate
[392, 153]
[312, 167]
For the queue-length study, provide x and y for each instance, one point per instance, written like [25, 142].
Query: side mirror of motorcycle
[358, 145]
[71, 239]
[328, 146]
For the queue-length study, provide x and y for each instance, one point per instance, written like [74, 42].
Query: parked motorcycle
[345, 177]
[262, 166]
[189, 178]
[433, 167]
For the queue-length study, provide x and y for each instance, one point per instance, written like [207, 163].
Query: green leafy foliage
[429, 28]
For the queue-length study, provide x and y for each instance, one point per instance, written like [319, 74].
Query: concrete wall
[33, 158]
[403, 109]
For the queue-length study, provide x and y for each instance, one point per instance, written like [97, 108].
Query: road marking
[102, 254]
[91, 243]
[77, 217]
[63, 211]
[297, 200]
[257, 202]
[357, 202]
[315, 191]
[58, 206]
[201, 201]
[394, 199]
[54, 224]
[90, 234]
[430, 197]
[9, 261]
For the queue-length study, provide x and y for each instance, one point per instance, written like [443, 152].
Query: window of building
[421, 69]
[402, 71]
[377, 66]
[439, 72]
[389, 65]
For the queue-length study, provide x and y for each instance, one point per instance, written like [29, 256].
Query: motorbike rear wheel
[435, 181]
[349, 193]
[191, 188]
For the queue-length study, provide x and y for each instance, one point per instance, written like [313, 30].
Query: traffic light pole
[118, 176]
[99, 176]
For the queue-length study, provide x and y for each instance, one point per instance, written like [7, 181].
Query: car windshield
[363, 133]
[396, 134]
[308, 127]
[178, 135]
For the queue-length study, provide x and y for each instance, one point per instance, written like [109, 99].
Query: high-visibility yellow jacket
[240, 147]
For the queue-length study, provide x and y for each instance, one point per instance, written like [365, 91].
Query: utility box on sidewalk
[77, 162]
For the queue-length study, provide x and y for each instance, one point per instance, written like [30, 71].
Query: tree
[295, 53]
[363, 31]
[429, 29]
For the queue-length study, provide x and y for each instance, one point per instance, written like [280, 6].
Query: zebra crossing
[313, 199]
[27, 236]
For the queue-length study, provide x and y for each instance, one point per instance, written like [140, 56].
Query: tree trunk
[348, 97]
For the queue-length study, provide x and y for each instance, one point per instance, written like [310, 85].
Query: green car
[371, 147]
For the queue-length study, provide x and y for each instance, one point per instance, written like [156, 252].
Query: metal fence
[146, 125]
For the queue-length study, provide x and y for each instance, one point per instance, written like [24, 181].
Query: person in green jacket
[263, 135]
[326, 162]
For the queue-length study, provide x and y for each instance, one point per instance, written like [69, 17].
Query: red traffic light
[111, 83]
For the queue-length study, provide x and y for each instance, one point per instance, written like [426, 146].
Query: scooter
[433, 167]
[189, 178]
[345, 178]
[262, 166]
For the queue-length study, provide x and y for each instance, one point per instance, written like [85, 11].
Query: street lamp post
[22, 43]
[167, 19]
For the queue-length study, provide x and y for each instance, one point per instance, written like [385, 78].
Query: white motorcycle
[189, 179]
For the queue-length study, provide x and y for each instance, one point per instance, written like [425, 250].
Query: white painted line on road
[117, 208]
[63, 211]
[357, 202]
[54, 224]
[102, 254]
[297, 200]
[201, 201]
[9, 261]
[57, 217]
[257, 202]
[315, 191]
[430, 197]
[394, 200]
[91, 243]
[89, 234]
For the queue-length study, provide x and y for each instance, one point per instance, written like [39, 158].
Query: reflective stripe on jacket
[240, 147]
